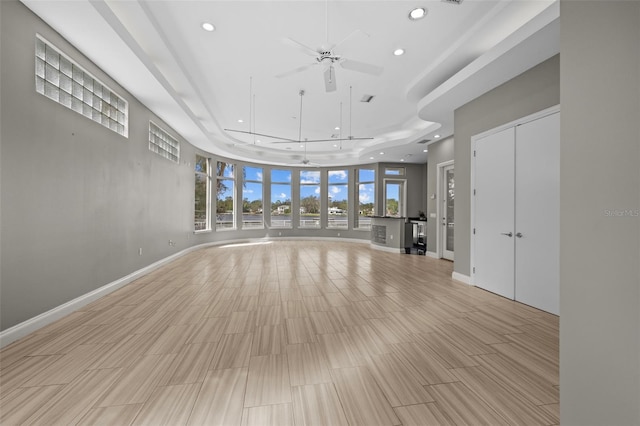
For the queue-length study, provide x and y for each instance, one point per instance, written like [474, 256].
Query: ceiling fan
[305, 141]
[327, 57]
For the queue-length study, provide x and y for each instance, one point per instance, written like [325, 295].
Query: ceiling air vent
[423, 141]
[366, 98]
[453, 1]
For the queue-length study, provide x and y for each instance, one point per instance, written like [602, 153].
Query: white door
[494, 213]
[538, 213]
[447, 222]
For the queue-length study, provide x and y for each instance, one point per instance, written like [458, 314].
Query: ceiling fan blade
[296, 70]
[330, 79]
[350, 64]
[283, 140]
[299, 46]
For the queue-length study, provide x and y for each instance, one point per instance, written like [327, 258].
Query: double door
[517, 212]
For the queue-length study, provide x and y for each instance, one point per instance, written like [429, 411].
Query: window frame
[232, 179]
[288, 183]
[302, 184]
[359, 182]
[344, 186]
[207, 176]
[244, 185]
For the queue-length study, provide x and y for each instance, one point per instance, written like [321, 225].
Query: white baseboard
[19, 331]
[387, 249]
[461, 277]
[432, 254]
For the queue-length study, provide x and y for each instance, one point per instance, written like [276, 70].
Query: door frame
[472, 255]
[403, 194]
[440, 197]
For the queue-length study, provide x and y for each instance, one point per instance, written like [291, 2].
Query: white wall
[599, 225]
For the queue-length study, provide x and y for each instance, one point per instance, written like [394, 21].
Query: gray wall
[439, 152]
[532, 91]
[79, 201]
[600, 251]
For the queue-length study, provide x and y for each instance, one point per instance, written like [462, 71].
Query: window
[62, 80]
[394, 197]
[202, 220]
[280, 198]
[163, 144]
[366, 187]
[252, 215]
[394, 171]
[309, 199]
[225, 198]
[338, 199]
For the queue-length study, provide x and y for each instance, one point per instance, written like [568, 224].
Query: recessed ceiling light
[402, 159]
[240, 120]
[336, 128]
[381, 153]
[417, 13]
[207, 26]
[436, 136]
[398, 52]
[370, 158]
[425, 150]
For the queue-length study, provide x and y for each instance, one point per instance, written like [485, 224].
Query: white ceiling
[202, 82]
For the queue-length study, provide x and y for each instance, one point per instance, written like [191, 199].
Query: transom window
[61, 79]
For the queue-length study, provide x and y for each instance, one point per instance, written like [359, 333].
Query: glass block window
[62, 80]
[163, 144]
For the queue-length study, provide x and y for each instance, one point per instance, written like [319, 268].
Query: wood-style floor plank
[318, 405]
[220, 400]
[289, 333]
[362, 399]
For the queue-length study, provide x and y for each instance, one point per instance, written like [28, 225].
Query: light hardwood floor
[289, 333]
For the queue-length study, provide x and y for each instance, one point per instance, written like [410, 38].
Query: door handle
[519, 234]
[508, 234]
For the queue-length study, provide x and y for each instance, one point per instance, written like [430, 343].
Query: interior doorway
[445, 211]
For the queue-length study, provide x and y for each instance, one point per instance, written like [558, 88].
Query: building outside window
[225, 196]
[252, 208]
[366, 192]
[281, 198]
[338, 199]
[202, 219]
[309, 199]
